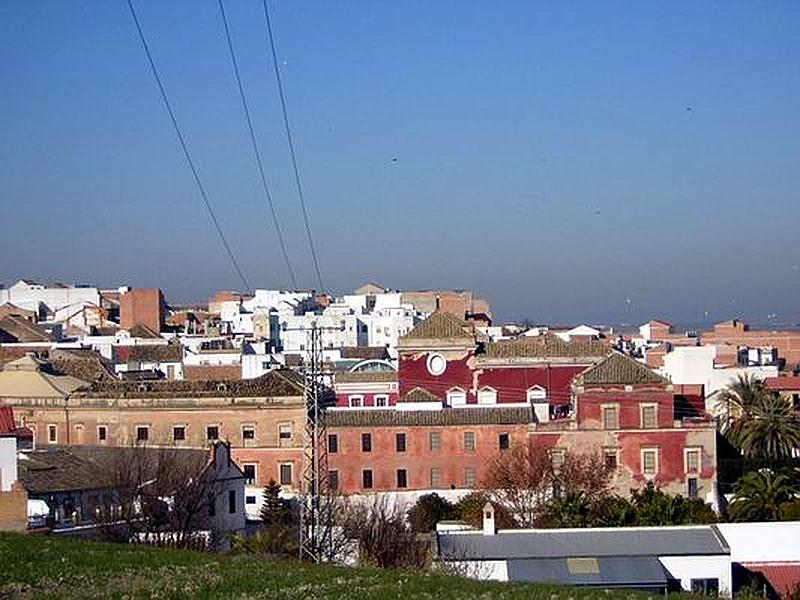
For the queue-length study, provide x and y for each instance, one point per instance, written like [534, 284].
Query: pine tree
[273, 508]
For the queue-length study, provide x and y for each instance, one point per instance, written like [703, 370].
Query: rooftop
[446, 416]
[441, 325]
[617, 368]
[545, 346]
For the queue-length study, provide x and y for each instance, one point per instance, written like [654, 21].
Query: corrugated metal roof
[783, 577]
[555, 543]
[612, 571]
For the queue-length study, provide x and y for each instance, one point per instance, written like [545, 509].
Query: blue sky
[560, 158]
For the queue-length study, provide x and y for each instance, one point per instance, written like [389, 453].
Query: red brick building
[738, 333]
[142, 307]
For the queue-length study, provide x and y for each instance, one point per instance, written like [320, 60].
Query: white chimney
[488, 519]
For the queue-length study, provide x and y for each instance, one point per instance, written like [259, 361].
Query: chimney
[488, 519]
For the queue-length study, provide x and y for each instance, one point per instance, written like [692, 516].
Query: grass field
[49, 567]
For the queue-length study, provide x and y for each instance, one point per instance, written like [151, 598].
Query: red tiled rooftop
[782, 576]
[783, 384]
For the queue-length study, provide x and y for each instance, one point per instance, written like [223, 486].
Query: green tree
[428, 510]
[274, 509]
[655, 508]
[760, 424]
[762, 495]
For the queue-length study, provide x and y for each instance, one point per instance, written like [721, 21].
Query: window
[333, 479]
[456, 397]
[469, 477]
[708, 587]
[285, 434]
[381, 401]
[249, 499]
[248, 435]
[650, 461]
[691, 459]
[469, 441]
[142, 433]
[436, 364]
[400, 442]
[231, 501]
[333, 443]
[366, 442]
[286, 474]
[503, 441]
[436, 441]
[212, 433]
[536, 394]
[355, 401]
[102, 433]
[610, 458]
[436, 478]
[557, 455]
[366, 479]
[52, 434]
[649, 416]
[610, 417]
[178, 433]
[249, 474]
[487, 396]
[402, 478]
[692, 487]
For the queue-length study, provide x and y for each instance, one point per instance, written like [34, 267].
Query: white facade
[47, 300]
[694, 365]
[762, 542]
[686, 568]
[8, 462]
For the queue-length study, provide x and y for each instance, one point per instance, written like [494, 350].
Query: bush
[429, 510]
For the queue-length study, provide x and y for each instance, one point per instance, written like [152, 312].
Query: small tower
[489, 527]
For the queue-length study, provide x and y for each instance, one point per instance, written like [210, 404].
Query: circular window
[436, 364]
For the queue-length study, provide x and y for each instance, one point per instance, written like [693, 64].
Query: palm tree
[760, 495]
[759, 423]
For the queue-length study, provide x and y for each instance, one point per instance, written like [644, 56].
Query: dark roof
[620, 369]
[365, 352]
[419, 394]
[370, 417]
[155, 353]
[563, 543]
[277, 383]
[367, 377]
[545, 346]
[20, 329]
[607, 571]
[441, 325]
[143, 332]
[81, 363]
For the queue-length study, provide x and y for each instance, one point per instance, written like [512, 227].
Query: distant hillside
[37, 566]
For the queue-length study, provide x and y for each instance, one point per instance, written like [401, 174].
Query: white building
[694, 365]
[657, 559]
[46, 300]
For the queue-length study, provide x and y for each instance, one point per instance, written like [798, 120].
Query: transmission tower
[316, 507]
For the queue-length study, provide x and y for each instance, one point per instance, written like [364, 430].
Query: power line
[291, 146]
[185, 148]
[255, 145]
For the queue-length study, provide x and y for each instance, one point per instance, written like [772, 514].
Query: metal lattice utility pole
[316, 503]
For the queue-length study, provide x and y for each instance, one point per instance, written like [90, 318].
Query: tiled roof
[84, 364]
[155, 353]
[620, 369]
[365, 352]
[447, 416]
[441, 325]
[143, 332]
[19, 329]
[367, 377]
[7, 424]
[545, 346]
[783, 577]
[783, 384]
[419, 394]
[279, 383]
[212, 372]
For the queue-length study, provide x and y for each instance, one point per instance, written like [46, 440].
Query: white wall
[762, 542]
[30, 297]
[686, 568]
[8, 463]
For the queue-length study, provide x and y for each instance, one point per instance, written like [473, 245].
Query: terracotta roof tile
[545, 346]
[20, 329]
[365, 352]
[367, 377]
[419, 394]
[447, 416]
[441, 325]
[155, 353]
[620, 369]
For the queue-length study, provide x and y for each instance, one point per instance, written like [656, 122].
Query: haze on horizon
[571, 162]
